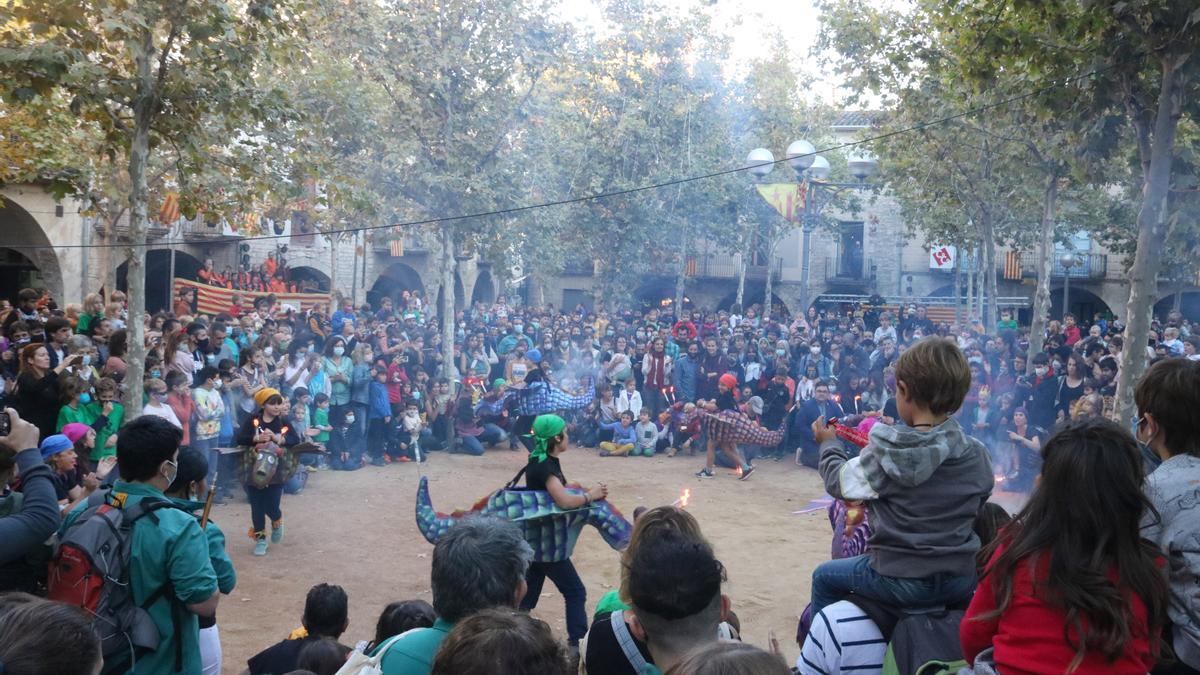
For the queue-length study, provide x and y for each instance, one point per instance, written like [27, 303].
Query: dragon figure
[733, 426]
[550, 530]
[538, 398]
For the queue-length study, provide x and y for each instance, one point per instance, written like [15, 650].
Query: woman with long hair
[1072, 587]
[1070, 386]
[37, 397]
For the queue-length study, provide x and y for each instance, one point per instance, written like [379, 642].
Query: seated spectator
[326, 615]
[478, 564]
[400, 617]
[730, 658]
[324, 656]
[30, 516]
[923, 483]
[675, 593]
[1168, 397]
[820, 406]
[501, 641]
[39, 637]
[1072, 586]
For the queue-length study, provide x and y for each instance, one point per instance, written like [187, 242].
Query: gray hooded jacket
[923, 489]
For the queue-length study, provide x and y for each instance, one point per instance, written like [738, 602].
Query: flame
[739, 472]
[685, 497]
[255, 422]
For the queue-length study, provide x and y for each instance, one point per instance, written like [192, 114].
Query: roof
[857, 119]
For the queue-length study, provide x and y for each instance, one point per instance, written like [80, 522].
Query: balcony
[409, 244]
[1089, 266]
[727, 266]
[199, 230]
[848, 274]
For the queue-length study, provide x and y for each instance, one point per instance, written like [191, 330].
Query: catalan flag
[396, 247]
[215, 299]
[1012, 266]
[168, 213]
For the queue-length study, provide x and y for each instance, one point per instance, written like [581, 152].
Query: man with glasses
[820, 405]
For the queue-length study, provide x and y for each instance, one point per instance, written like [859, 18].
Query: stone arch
[395, 279]
[158, 276]
[309, 275]
[485, 288]
[1189, 305]
[460, 296]
[754, 294]
[1084, 303]
[33, 261]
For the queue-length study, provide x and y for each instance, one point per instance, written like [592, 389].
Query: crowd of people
[947, 415]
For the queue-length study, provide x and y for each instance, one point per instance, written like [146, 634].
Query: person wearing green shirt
[188, 493]
[169, 551]
[478, 564]
[102, 415]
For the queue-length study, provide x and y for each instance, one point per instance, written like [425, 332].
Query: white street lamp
[800, 155]
[1067, 260]
[862, 166]
[819, 169]
[760, 161]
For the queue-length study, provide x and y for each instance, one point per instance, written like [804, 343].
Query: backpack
[358, 663]
[90, 570]
[924, 643]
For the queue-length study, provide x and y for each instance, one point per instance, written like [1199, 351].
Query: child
[379, 416]
[156, 401]
[624, 436]
[544, 472]
[397, 618]
[210, 407]
[725, 400]
[1072, 586]
[647, 435]
[629, 399]
[1168, 396]
[348, 454]
[685, 429]
[320, 420]
[410, 433]
[923, 482]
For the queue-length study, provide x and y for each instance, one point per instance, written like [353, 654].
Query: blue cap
[52, 445]
[534, 355]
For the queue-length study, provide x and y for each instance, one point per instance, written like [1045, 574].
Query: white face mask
[268, 350]
[86, 360]
[349, 419]
[1040, 371]
[815, 351]
[217, 384]
[338, 351]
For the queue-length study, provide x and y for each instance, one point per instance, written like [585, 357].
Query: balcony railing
[1092, 266]
[411, 244]
[727, 266]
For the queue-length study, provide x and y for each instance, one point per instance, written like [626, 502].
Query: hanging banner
[942, 257]
[786, 198]
[215, 299]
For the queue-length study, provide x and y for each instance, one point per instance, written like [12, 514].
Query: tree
[150, 74]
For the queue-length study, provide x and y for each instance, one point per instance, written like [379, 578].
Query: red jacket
[1073, 335]
[1028, 636]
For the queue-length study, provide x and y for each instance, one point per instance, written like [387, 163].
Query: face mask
[173, 472]
[815, 351]
[159, 396]
[780, 352]
[349, 419]
[1058, 365]
[563, 344]
[24, 341]
[338, 351]
[284, 344]
[86, 360]
[217, 384]
[156, 374]
[1041, 371]
[268, 350]
[85, 398]
[518, 328]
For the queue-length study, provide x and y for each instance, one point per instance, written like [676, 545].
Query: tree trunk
[681, 274]
[770, 283]
[741, 291]
[987, 298]
[447, 308]
[959, 255]
[135, 257]
[333, 269]
[1045, 262]
[1152, 231]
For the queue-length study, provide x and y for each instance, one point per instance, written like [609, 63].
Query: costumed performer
[268, 429]
[725, 401]
[544, 472]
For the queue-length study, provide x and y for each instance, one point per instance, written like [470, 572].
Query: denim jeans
[567, 581]
[834, 580]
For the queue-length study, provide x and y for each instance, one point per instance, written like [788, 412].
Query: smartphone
[5, 424]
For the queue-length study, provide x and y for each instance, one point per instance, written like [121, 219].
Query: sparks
[684, 497]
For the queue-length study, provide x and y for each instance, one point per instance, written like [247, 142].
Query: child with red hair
[726, 400]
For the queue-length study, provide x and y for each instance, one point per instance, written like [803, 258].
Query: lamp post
[1067, 260]
[812, 170]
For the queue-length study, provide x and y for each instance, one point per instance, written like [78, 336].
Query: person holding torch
[268, 429]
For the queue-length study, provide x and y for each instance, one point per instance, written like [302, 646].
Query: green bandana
[545, 427]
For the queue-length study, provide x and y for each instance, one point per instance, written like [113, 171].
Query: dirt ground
[358, 530]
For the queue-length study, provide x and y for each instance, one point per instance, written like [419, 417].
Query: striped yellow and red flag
[396, 247]
[214, 299]
[169, 211]
[1012, 265]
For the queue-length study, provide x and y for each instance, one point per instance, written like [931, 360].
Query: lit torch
[684, 497]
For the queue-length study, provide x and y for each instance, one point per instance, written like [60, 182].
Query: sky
[748, 22]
